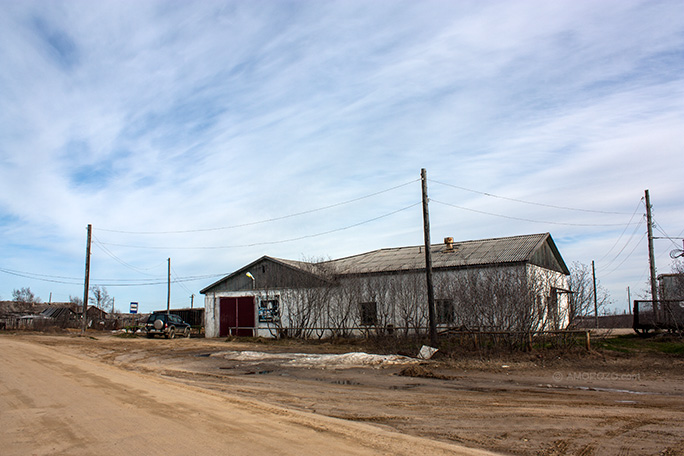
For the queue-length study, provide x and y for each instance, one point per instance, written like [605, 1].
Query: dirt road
[55, 403]
[295, 398]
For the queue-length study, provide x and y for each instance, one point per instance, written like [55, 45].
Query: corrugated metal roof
[483, 252]
[292, 263]
[513, 249]
[57, 312]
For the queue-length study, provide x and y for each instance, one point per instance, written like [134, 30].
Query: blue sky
[174, 127]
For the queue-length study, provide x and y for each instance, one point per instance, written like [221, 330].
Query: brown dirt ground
[539, 403]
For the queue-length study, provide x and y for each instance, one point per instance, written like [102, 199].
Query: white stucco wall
[390, 292]
[211, 321]
[212, 311]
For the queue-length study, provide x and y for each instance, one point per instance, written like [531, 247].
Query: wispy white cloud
[168, 116]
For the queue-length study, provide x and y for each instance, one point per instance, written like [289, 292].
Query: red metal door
[236, 316]
[245, 317]
[226, 316]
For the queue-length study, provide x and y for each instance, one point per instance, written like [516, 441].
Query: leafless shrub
[410, 296]
[516, 299]
[502, 299]
[582, 286]
[25, 296]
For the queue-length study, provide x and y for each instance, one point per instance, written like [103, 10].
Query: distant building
[14, 314]
[96, 317]
[517, 283]
[671, 286]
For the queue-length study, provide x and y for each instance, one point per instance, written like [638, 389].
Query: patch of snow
[251, 355]
[336, 361]
[349, 360]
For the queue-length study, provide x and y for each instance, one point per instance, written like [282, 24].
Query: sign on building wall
[269, 310]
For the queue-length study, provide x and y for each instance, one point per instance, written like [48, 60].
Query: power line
[42, 277]
[255, 244]
[626, 258]
[154, 281]
[528, 202]
[666, 236]
[179, 283]
[525, 219]
[626, 244]
[161, 281]
[623, 232]
[105, 282]
[274, 219]
[111, 254]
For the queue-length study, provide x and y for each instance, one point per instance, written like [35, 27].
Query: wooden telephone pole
[168, 288]
[432, 314]
[651, 256]
[593, 276]
[86, 285]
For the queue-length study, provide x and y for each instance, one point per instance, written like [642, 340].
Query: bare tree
[410, 295]
[25, 296]
[99, 297]
[582, 287]
[341, 308]
[307, 301]
[516, 299]
[377, 290]
[502, 299]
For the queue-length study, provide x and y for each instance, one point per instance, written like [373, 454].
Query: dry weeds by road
[589, 405]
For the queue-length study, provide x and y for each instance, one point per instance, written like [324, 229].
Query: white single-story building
[517, 283]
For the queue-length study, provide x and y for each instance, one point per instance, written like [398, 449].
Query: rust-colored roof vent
[449, 243]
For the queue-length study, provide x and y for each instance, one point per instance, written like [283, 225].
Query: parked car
[167, 325]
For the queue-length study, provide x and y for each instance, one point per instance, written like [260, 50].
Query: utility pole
[593, 275]
[86, 285]
[629, 301]
[192, 300]
[651, 256]
[168, 288]
[428, 262]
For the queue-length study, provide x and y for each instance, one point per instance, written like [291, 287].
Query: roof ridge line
[420, 246]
